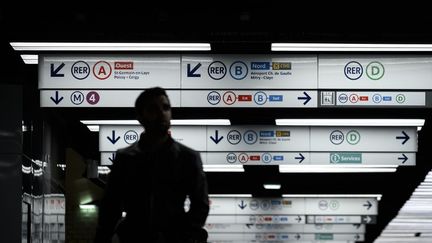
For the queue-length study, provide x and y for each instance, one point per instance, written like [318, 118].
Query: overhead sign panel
[397, 139]
[249, 98]
[309, 158]
[341, 219]
[283, 237]
[285, 228]
[109, 71]
[97, 98]
[377, 72]
[249, 71]
[256, 219]
[293, 206]
[285, 144]
[259, 138]
[379, 99]
[114, 137]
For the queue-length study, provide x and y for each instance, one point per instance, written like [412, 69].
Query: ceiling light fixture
[30, 59]
[344, 47]
[230, 195]
[351, 122]
[337, 168]
[272, 186]
[77, 46]
[377, 196]
[223, 168]
[216, 122]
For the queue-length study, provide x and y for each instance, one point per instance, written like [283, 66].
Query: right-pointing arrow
[300, 158]
[405, 137]
[404, 158]
[367, 219]
[306, 98]
[368, 205]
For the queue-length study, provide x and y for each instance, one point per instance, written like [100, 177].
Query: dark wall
[10, 163]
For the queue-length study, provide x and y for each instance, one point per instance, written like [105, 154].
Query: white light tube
[343, 47]
[77, 46]
[337, 168]
[223, 168]
[272, 186]
[175, 122]
[377, 196]
[30, 59]
[87, 206]
[230, 195]
[350, 122]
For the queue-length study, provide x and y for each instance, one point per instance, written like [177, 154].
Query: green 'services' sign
[345, 158]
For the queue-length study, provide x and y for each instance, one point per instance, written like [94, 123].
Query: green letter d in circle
[353, 137]
[375, 70]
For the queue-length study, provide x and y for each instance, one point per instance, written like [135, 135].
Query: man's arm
[198, 194]
[110, 208]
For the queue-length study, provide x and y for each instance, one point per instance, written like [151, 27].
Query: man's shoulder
[184, 149]
[129, 150]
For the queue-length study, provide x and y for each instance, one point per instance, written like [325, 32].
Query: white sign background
[400, 72]
[303, 72]
[141, 71]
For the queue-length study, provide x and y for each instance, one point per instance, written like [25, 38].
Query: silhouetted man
[150, 181]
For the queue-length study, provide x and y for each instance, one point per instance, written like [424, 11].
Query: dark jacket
[151, 187]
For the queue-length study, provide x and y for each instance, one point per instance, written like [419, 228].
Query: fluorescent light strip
[223, 168]
[209, 122]
[343, 47]
[272, 186]
[30, 59]
[230, 195]
[337, 169]
[377, 196]
[87, 206]
[76, 46]
[350, 122]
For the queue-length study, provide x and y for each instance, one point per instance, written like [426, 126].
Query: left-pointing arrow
[56, 99]
[113, 139]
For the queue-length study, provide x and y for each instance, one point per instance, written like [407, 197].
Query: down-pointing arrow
[242, 205]
[113, 139]
[216, 139]
[56, 99]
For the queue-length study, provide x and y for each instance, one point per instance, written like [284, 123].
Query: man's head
[153, 110]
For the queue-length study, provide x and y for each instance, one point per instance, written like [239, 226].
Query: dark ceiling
[230, 30]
